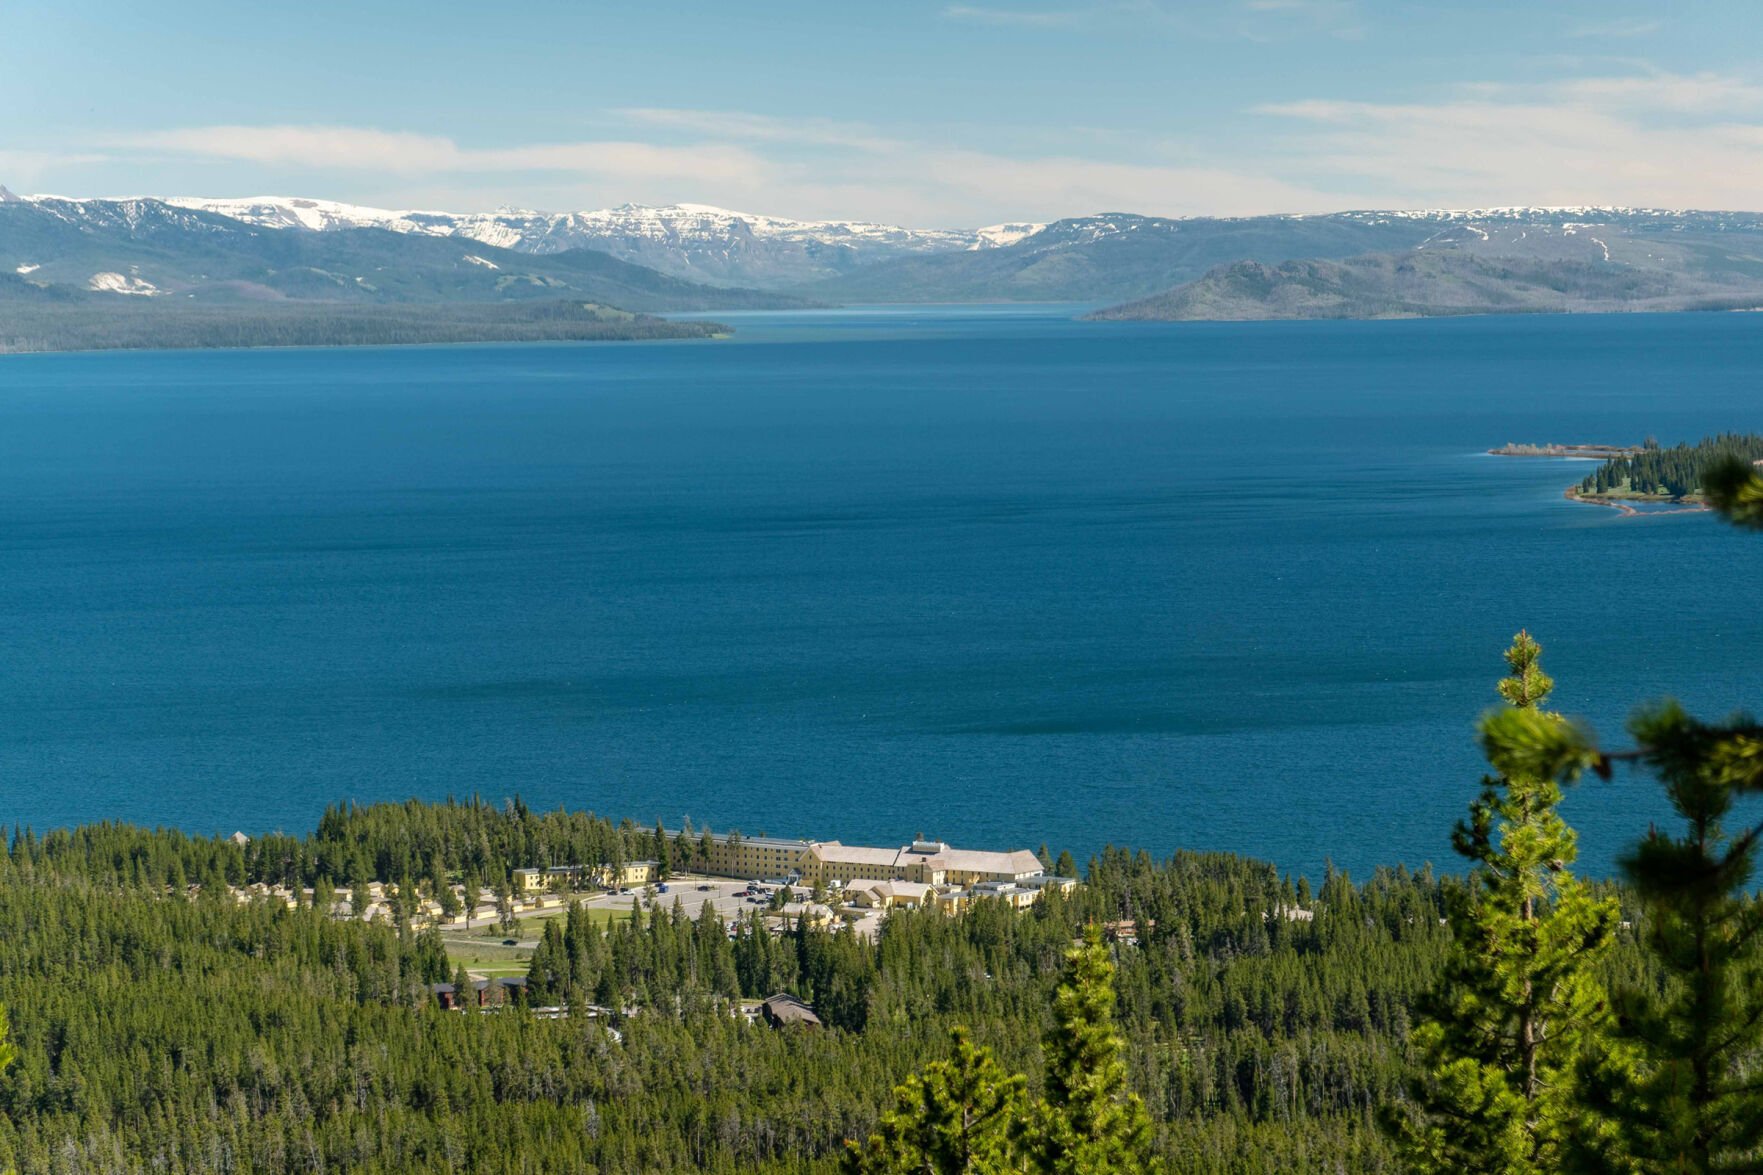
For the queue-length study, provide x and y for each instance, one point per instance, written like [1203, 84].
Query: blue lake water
[989, 574]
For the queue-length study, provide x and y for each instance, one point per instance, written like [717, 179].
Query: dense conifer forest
[161, 1025]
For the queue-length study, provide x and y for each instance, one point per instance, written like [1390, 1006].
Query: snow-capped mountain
[56, 247]
[316, 248]
[696, 241]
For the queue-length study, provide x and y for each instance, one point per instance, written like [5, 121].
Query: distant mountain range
[1508, 262]
[696, 257]
[152, 248]
[692, 241]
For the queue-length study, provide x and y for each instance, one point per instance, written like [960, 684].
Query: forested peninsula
[119, 323]
[1653, 474]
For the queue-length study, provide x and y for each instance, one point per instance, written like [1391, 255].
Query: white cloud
[804, 167]
[1661, 139]
[365, 149]
[303, 146]
[1679, 93]
[1049, 187]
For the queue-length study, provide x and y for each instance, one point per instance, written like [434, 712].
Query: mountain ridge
[700, 242]
[151, 248]
[701, 257]
[1654, 261]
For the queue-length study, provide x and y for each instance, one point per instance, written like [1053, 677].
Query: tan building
[952, 901]
[889, 895]
[926, 866]
[828, 861]
[633, 875]
[531, 882]
[750, 857]
[815, 914]
[1018, 897]
[930, 862]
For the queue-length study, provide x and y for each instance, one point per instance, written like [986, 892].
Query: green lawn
[483, 949]
[477, 955]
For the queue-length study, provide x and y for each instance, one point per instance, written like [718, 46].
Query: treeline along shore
[149, 324]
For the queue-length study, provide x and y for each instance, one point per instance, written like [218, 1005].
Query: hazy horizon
[922, 114]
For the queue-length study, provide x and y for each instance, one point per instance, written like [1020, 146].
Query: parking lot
[727, 896]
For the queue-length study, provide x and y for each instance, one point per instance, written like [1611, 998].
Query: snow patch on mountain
[998, 236]
[297, 212]
[529, 231]
[121, 283]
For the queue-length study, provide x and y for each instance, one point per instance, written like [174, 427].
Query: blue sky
[919, 113]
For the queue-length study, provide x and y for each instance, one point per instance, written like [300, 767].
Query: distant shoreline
[168, 349]
[84, 326]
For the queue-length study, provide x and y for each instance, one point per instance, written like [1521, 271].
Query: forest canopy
[1674, 473]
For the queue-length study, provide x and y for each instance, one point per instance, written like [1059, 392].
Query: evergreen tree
[663, 854]
[7, 1055]
[959, 1117]
[1683, 1090]
[1089, 1123]
[7, 1052]
[1518, 1005]
[470, 896]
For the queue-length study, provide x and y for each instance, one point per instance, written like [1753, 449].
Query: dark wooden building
[784, 1010]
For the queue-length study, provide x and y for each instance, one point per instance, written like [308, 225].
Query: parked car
[705, 888]
[662, 888]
